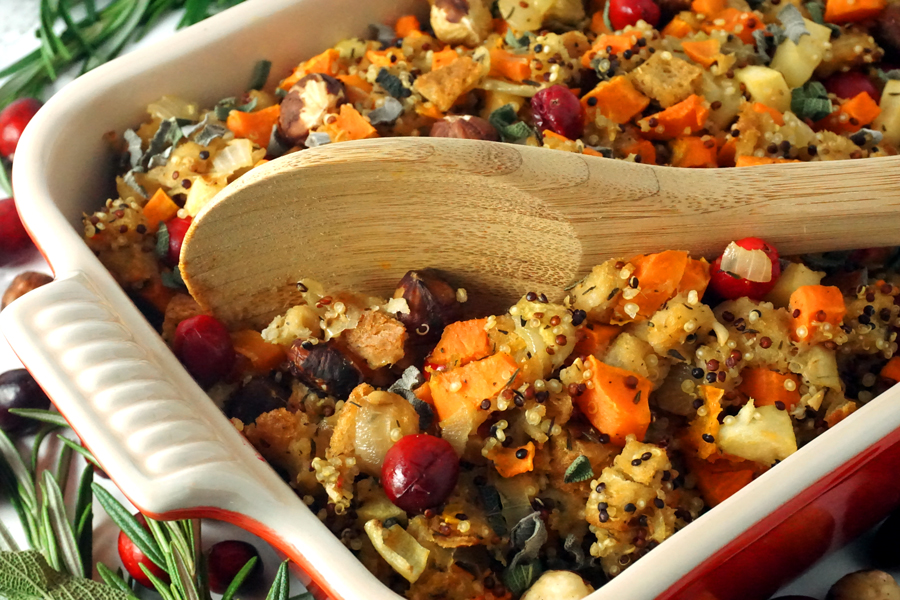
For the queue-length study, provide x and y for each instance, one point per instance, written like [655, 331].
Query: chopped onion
[401, 550]
[752, 265]
[169, 107]
[516, 89]
[396, 305]
[238, 154]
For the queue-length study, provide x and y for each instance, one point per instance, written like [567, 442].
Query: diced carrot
[705, 52]
[500, 26]
[841, 413]
[355, 81]
[442, 58]
[350, 125]
[507, 461]
[461, 343]
[617, 100]
[255, 126]
[609, 43]
[696, 277]
[326, 63]
[617, 404]
[742, 24]
[850, 11]
[720, 479]
[262, 355]
[706, 427]
[812, 306]
[891, 370]
[852, 115]
[385, 58]
[641, 148]
[407, 24]
[598, 23]
[157, 294]
[678, 28]
[260, 162]
[159, 209]
[766, 387]
[727, 152]
[427, 109]
[685, 118]
[423, 393]
[708, 8]
[594, 338]
[772, 112]
[756, 161]
[465, 387]
[658, 277]
[695, 152]
[591, 152]
[515, 67]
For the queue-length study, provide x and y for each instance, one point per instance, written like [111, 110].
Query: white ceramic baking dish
[175, 455]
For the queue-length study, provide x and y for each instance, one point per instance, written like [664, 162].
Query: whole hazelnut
[432, 305]
[307, 104]
[461, 21]
[22, 284]
[466, 127]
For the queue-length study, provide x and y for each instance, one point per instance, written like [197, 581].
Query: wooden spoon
[503, 219]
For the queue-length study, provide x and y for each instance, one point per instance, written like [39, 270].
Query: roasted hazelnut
[22, 284]
[868, 585]
[258, 396]
[324, 367]
[466, 127]
[432, 305]
[465, 22]
[307, 104]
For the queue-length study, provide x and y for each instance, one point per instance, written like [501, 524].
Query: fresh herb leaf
[62, 529]
[519, 578]
[579, 470]
[135, 148]
[528, 536]
[493, 508]
[27, 575]
[239, 579]
[5, 185]
[606, 20]
[162, 241]
[505, 120]
[44, 416]
[123, 519]
[767, 40]
[132, 182]
[886, 76]
[316, 139]
[260, 75]
[226, 105]
[280, 587]
[411, 379]
[518, 45]
[793, 23]
[172, 279]
[811, 101]
[392, 84]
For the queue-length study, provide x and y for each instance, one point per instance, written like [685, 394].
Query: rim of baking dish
[66, 252]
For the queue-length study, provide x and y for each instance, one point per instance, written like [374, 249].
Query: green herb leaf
[27, 575]
[5, 185]
[62, 529]
[162, 241]
[886, 76]
[7, 543]
[606, 20]
[127, 523]
[518, 45]
[84, 515]
[505, 120]
[44, 416]
[281, 585]
[528, 536]
[392, 84]
[226, 105]
[239, 579]
[811, 101]
[172, 279]
[493, 508]
[579, 470]
[521, 577]
[793, 23]
[260, 75]
[111, 579]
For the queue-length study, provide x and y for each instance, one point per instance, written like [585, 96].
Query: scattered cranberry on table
[13, 237]
[204, 345]
[13, 120]
[556, 108]
[419, 472]
[730, 286]
[226, 559]
[628, 12]
[132, 558]
[177, 228]
[850, 84]
[18, 389]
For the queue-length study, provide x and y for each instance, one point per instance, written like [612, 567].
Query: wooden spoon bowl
[503, 219]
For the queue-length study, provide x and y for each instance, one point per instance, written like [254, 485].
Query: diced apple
[794, 276]
[766, 85]
[798, 61]
[888, 122]
[763, 434]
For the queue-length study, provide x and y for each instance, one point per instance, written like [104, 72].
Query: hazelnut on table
[22, 284]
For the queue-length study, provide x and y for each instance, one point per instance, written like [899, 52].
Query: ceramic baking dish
[175, 455]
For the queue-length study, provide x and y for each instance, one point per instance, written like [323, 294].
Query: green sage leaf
[260, 75]
[579, 470]
[26, 575]
[793, 23]
[521, 577]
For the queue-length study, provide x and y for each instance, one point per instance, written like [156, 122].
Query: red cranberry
[18, 389]
[556, 108]
[13, 236]
[628, 12]
[204, 345]
[226, 559]
[13, 120]
[132, 558]
[419, 472]
[177, 228]
[730, 287]
[849, 85]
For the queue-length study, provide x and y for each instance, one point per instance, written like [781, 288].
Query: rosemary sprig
[97, 38]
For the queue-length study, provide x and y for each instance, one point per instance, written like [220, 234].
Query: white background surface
[18, 20]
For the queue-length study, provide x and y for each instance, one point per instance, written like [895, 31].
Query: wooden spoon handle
[502, 218]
